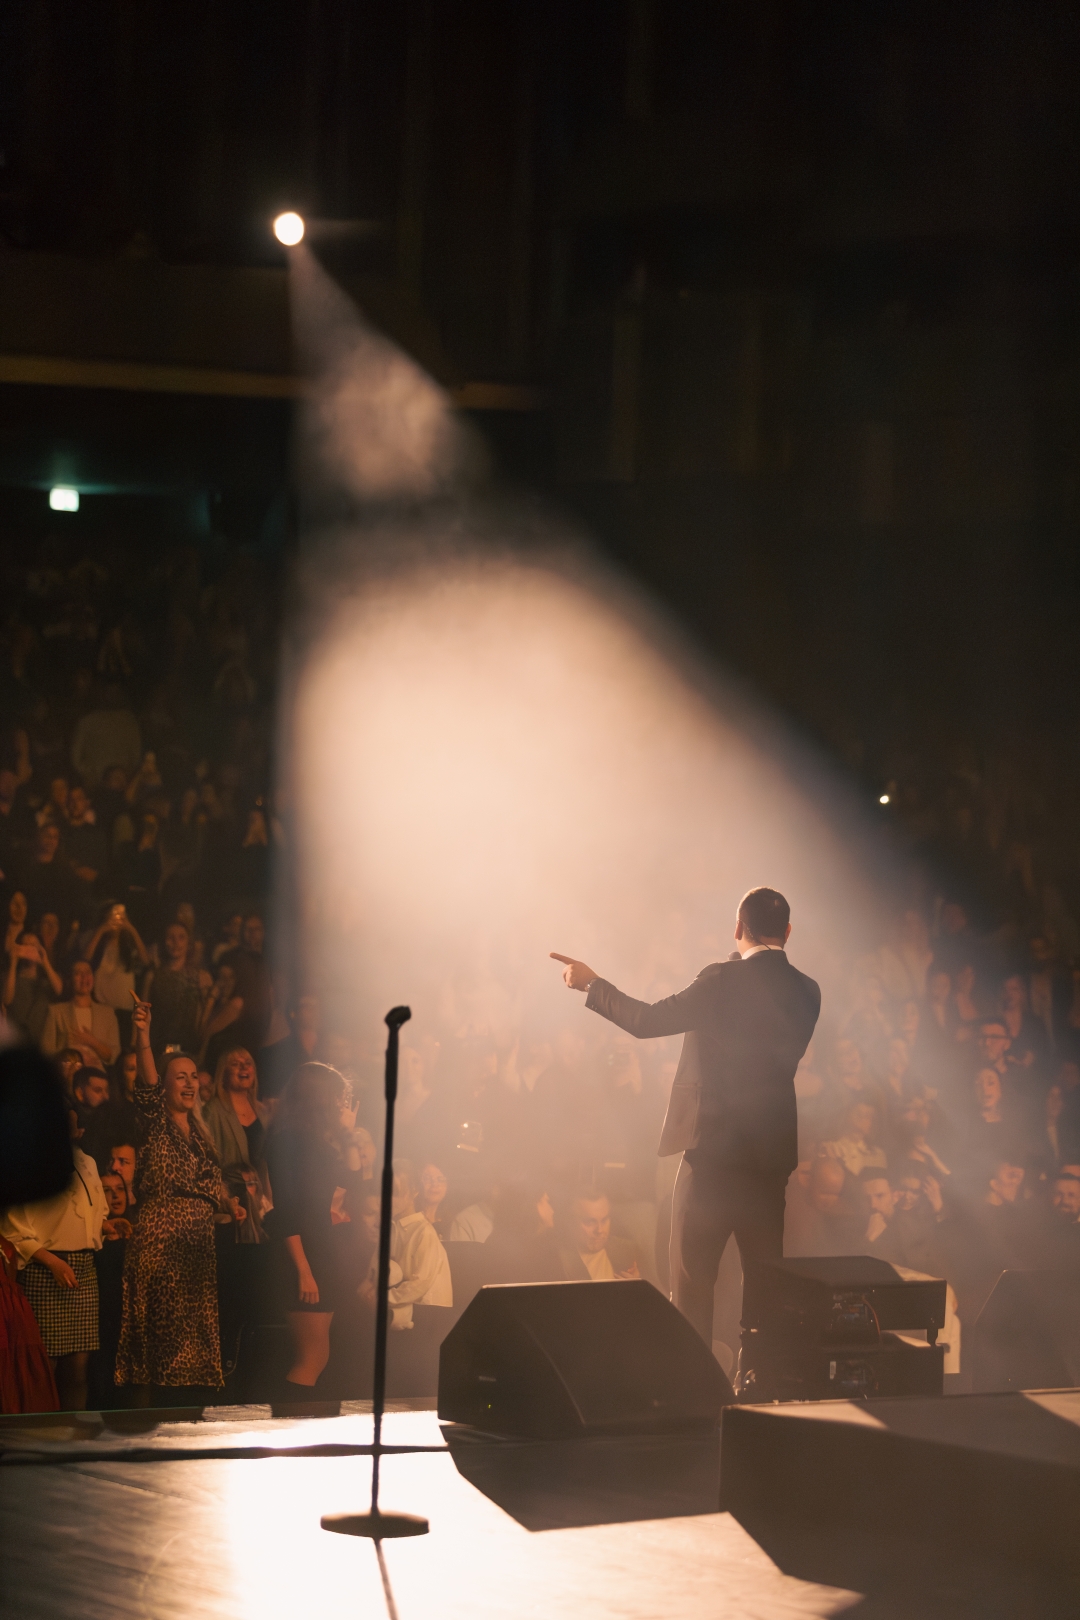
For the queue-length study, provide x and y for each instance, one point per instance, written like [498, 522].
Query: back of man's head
[765, 915]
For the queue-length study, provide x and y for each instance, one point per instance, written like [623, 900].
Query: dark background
[781, 298]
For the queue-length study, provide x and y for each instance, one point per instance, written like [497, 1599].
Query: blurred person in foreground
[732, 1113]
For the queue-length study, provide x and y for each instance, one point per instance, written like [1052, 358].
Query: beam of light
[63, 499]
[289, 229]
[497, 751]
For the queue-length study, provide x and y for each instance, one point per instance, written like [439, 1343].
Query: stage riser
[849, 1475]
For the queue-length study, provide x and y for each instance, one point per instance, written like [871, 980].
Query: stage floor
[96, 1524]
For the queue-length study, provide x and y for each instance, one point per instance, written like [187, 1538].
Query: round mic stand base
[376, 1526]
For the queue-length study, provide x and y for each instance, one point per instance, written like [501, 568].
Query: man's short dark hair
[764, 914]
[87, 1072]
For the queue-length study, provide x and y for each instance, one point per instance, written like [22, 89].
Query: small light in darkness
[289, 229]
[63, 499]
[884, 799]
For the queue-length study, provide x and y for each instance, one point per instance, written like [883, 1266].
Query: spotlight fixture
[885, 799]
[289, 229]
[63, 499]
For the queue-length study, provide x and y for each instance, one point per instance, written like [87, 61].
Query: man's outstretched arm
[646, 1020]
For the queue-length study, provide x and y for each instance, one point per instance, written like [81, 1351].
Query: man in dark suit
[732, 1112]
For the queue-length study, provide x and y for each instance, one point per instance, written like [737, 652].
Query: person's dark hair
[311, 1102]
[874, 1172]
[69, 985]
[84, 1072]
[764, 914]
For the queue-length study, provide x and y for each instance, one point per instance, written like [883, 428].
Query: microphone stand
[376, 1524]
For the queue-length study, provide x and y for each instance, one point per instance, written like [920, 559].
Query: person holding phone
[30, 986]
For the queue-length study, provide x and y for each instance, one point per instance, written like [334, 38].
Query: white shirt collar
[755, 949]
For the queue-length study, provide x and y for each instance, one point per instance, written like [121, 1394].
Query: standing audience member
[311, 1152]
[233, 1116]
[169, 1332]
[31, 986]
[122, 957]
[56, 1241]
[176, 991]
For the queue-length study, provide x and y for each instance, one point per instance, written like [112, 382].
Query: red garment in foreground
[26, 1376]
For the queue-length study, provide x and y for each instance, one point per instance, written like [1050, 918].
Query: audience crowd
[218, 1238]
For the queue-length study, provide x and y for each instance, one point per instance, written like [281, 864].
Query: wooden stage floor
[98, 1523]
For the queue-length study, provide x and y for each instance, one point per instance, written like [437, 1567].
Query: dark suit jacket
[747, 1024]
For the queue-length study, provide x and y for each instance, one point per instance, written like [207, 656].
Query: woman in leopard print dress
[169, 1330]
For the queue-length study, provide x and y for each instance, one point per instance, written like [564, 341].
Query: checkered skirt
[67, 1317]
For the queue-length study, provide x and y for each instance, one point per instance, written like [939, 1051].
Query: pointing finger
[555, 957]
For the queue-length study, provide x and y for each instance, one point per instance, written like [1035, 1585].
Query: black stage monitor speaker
[1027, 1335]
[555, 1361]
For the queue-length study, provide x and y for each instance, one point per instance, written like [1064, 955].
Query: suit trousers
[712, 1200]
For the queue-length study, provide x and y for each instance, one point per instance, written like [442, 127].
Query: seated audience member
[915, 1236]
[986, 1235]
[896, 1082]
[965, 1008]
[912, 1141]
[1056, 1228]
[855, 1148]
[1050, 1148]
[811, 1096]
[56, 1240]
[849, 1079]
[415, 1246]
[818, 1219]
[46, 878]
[475, 1222]
[31, 986]
[992, 1046]
[878, 1203]
[620, 1136]
[1028, 1043]
[586, 1245]
[522, 1241]
[82, 1022]
[433, 1188]
[84, 842]
[992, 1132]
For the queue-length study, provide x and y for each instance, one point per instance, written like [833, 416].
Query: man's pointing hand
[578, 975]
